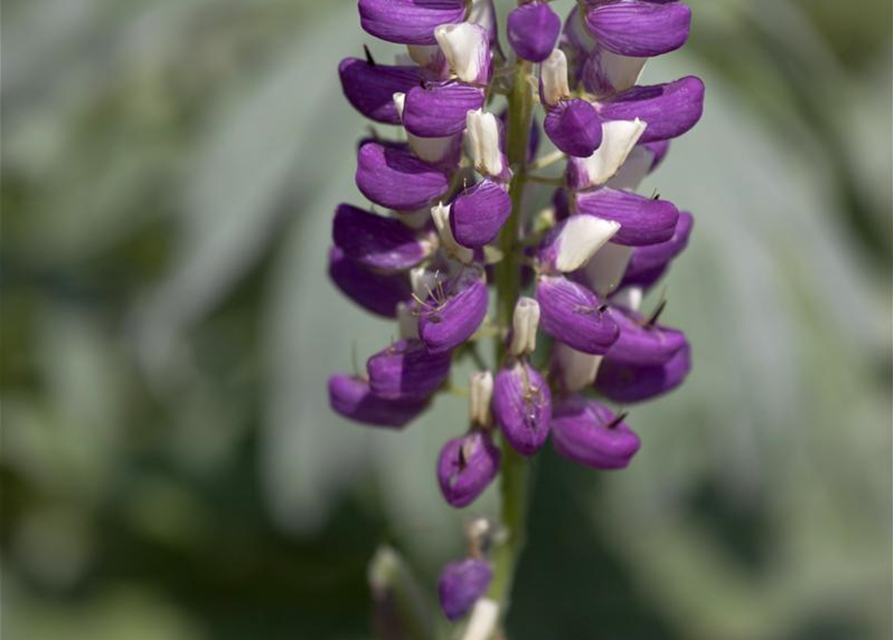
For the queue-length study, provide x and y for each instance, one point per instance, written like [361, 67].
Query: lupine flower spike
[447, 221]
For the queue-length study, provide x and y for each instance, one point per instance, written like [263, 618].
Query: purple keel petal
[574, 127]
[587, 432]
[632, 383]
[639, 28]
[646, 259]
[409, 21]
[669, 109]
[571, 313]
[352, 398]
[370, 88]
[376, 242]
[478, 213]
[533, 31]
[438, 109]
[375, 292]
[659, 149]
[391, 176]
[405, 370]
[466, 467]
[643, 221]
[522, 405]
[461, 584]
[452, 316]
[643, 344]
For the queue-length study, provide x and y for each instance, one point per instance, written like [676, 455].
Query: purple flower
[407, 371]
[391, 176]
[571, 313]
[643, 221]
[376, 242]
[533, 30]
[479, 212]
[639, 28]
[643, 342]
[370, 88]
[522, 405]
[452, 313]
[587, 432]
[409, 21]
[624, 383]
[377, 293]
[352, 398]
[574, 127]
[438, 109]
[670, 109]
[648, 260]
[467, 465]
[461, 584]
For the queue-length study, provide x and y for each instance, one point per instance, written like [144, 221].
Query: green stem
[514, 473]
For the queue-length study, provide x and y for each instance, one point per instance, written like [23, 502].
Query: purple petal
[375, 292]
[391, 176]
[574, 127]
[438, 109]
[370, 88]
[643, 221]
[571, 313]
[561, 204]
[405, 370]
[643, 344]
[587, 432]
[639, 28]
[533, 31]
[522, 405]
[409, 21]
[376, 242]
[466, 467]
[351, 397]
[660, 149]
[478, 213]
[655, 256]
[461, 584]
[633, 383]
[669, 109]
[445, 323]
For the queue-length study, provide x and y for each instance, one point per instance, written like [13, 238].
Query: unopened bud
[525, 323]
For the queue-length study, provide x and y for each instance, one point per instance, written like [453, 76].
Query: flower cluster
[452, 180]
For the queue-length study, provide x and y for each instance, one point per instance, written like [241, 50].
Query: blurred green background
[170, 468]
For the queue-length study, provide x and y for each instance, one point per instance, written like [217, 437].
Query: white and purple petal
[643, 221]
[479, 212]
[589, 433]
[466, 466]
[391, 176]
[571, 313]
[406, 370]
[522, 406]
[409, 21]
[351, 397]
[574, 241]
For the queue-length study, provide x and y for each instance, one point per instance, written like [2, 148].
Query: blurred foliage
[170, 468]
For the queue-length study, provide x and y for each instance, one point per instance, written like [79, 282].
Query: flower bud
[574, 315]
[525, 322]
[587, 432]
[479, 212]
[453, 312]
[533, 30]
[574, 127]
[553, 79]
[461, 583]
[406, 370]
[480, 395]
[482, 134]
[467, 50]
[352, 398]
[466, 467]
[522, 405]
